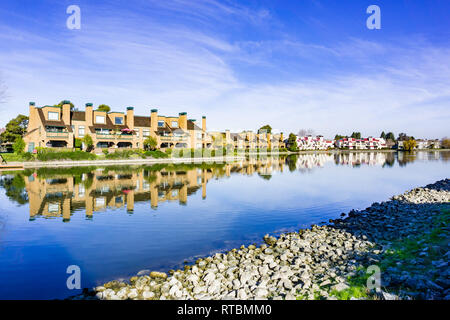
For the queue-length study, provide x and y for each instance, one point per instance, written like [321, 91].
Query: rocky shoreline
[405, 238]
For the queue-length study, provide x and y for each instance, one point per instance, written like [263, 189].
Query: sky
[306, 64]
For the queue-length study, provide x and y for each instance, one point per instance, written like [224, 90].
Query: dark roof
[192, 126]
[78, 116]
[55, 123]
[141, 121]
[107, 125]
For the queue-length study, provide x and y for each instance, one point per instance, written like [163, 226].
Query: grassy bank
[412, 256]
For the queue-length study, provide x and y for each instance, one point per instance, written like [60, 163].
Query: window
[99, 202]
[81, 131]
[199, 135]
[53, 207]
[160, 123]
[53, 115]
[81, 190]
[174, 124]
[138, 132]
[118, 120]
[100, 119]
[146, 133]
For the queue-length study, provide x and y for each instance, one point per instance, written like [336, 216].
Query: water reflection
[58, 192]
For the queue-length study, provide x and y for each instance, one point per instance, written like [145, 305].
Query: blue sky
[243, 64]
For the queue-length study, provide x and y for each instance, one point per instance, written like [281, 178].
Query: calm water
[115, 221]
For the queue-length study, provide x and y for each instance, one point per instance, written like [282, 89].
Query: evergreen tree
[292, 142]
[15, 128]
[266, 128]
[390, 136]
[104, 107]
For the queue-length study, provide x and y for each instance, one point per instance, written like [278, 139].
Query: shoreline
[70, 163]
[405, 239]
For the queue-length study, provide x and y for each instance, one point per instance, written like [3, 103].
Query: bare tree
[305, 132]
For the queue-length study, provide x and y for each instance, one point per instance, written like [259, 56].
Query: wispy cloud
[239, 82]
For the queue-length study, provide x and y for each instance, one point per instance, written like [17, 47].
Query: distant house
[422, 144]
[314, 143]
[369, 143]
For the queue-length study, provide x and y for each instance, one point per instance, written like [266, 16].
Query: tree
[150, 143]
[104, 107]
[445, 143]
[356, 135]
[15, 128]
[383, 135]
[292, 142]
[390, 136]
[78, 142]
[19, 145]
[88, 142]
[409, 145]
[339, 137]
[61, 104]
[266, 129]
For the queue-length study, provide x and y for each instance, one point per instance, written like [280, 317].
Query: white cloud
[125, 60]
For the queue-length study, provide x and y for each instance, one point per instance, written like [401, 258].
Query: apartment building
[248, 140]
[422, 144]
[369, 143]
[314, 143]
[57, 127]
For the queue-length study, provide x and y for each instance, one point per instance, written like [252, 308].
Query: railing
[173, 138]
[54, 134]
[101, 136]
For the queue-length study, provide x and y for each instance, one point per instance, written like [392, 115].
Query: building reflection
[60, 192]
[99, 190]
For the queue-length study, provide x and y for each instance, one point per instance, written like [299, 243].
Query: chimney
[227, 136]
[66, 112]
[154, 119]
[89, 114]
[182, 120]
[32, 122]
[204, 123]
[130, 117]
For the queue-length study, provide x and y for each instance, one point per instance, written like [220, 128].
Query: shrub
[87, 139]
[19, 145]
[150, 143]
[45, 155]
[78, 143]
[155, 154]
[27, 156]
[120, 154]
[105, 151]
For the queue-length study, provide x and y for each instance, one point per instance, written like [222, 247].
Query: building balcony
[100, 136]
[57, 135]
[172, 138]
